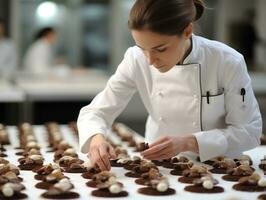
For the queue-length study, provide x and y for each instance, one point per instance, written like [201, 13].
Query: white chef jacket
[38, 58]
[223, 124]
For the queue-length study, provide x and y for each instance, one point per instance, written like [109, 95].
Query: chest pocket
[213, 111]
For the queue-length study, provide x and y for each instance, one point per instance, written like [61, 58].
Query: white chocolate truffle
[244, 157]
[122, 160]
[263, 162]
[115, 188]
[244, 162]
[64, 185]
[36, 157]
[112, 180]
[32, 144]
[55, 166]
[66, 158]
[262, 182]
[7, 190]
[70, 151]
[135, 158]
[30, 138]
[162, 186]
[208, 184]
[56, 171]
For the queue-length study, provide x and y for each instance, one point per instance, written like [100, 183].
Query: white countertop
[82, 85]
[10, 93]
[129, 184]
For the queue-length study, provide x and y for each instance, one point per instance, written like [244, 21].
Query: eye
[161, 50]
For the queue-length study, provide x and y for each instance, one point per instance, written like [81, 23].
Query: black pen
[208, 97]
[243, 92]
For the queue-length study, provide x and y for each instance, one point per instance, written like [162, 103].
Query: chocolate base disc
[262, 166]
[39, 177]
[130, 166]
[218, 171]
[176, 172]
[141, 181]
[91, 184]
[106, 193]
[184, 179]
[115, 164]
[231, 178]
[29, 166]
[19, 153]
[75, 170]
[3, 148]
[158, 162]
[200, 189]
[3, 155]
[44, 185]
[66, 195]
[168, 165]
[208, 162]
[262, 197]
[87, 175]
[153, 192]
[132, 175]
[15, 196]
[248, 188]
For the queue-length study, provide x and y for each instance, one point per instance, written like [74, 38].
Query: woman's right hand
[100, 152]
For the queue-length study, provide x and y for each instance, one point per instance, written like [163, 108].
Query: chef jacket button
[196, 97]
[161, 119]
[195, 123]
[160, 94]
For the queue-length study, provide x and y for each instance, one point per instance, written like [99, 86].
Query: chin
[164, 69]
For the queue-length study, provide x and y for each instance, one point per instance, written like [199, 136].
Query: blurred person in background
[39, 59]
[8, 53]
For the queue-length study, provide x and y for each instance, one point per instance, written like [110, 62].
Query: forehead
[148, 39]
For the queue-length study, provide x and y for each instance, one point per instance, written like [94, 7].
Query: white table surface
[10, 93]
[129, 184]
[74, 86]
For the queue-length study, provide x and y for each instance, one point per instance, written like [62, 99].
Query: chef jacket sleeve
[99, 115]
[243, 119]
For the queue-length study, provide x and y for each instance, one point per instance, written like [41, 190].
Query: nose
[151, 58]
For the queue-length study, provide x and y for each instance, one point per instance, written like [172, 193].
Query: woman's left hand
[169, 146]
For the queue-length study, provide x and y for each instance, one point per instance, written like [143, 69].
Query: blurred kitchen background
[92, 36]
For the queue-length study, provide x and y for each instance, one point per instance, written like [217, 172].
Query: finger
[156, 149]
[112, 152]
[92, 156]
[105, 156]
[156, 154]
[97, 160]
[161, 140]
[161, 156]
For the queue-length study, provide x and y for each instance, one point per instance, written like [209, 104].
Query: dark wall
[5, 13]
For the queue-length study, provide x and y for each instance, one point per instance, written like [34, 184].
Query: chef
[197, 92]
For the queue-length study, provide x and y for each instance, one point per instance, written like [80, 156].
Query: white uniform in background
[39, 57]
[209, 95]
[8, 57]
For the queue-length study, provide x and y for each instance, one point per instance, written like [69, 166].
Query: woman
[197, 91]
[39, 57]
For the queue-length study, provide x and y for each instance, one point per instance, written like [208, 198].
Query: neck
[188, 48]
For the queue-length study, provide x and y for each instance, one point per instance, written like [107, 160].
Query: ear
[188, 31]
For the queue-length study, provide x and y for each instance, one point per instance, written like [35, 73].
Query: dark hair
[43, 32]
[169, 17]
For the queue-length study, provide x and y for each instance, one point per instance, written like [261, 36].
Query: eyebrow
[153, 47]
